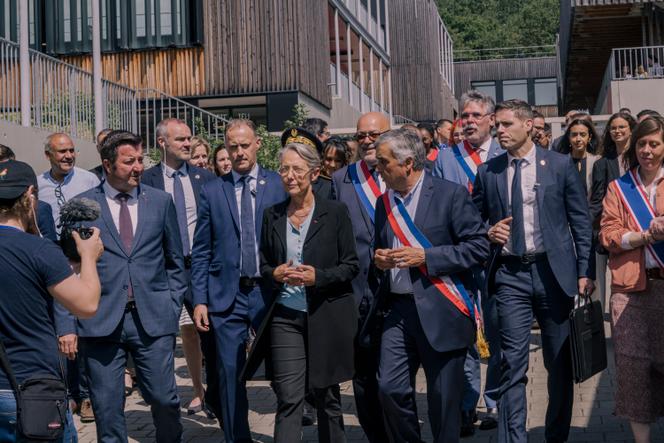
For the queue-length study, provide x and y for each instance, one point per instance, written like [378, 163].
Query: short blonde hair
[308, 154]
[198, 141]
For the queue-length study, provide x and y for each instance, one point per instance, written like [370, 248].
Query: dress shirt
[189, 197]
[531, 228]
[295, 297]
[651, 263]
[77, 181]
[114, 205]
[238, 199]
[400, 282]
[483, 149]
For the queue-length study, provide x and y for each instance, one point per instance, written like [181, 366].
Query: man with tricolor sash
[536, 206]
[459, 164]
[359, 187]
[429, 236]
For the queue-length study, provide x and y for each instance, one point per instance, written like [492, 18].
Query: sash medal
[636, 201]
[366, 187]
[469, 160]
[450, 287]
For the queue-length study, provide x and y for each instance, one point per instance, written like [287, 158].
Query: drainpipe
[24, 60]
[96, 68]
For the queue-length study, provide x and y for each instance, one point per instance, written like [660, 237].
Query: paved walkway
[592, 417]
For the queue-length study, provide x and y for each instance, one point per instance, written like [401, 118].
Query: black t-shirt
[28, 265]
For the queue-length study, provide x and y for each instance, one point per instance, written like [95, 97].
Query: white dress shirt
[483, 149]
[238, 198]
[531, 228]
[114, 205]
[651, 263]
[400, 282]
[189, 196]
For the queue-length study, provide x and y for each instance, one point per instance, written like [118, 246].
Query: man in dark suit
[536, 205]
[184, 183]
[459, 164]
[365, 387]
[143, 284]
[424, 324]
[227, 289]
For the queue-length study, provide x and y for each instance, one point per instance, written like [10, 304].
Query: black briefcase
[587, 339]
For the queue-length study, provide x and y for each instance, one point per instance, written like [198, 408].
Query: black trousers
[288, 334]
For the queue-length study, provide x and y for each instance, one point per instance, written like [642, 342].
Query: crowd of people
[428, 246]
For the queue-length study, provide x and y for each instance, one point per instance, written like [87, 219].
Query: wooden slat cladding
[506, 69]
[258, 46]
[176, 71]
[417, 85]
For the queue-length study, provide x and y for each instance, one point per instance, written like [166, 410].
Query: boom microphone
[72, 214]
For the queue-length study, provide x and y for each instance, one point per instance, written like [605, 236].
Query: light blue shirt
[400, 282]
[295, 297]
[77, 181]
[189, 197]
[253, 174]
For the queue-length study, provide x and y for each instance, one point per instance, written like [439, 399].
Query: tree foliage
[482, 24]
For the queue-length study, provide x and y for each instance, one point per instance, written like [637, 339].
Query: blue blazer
[365, 283]
[215, 257]
[564, 218]
[198, 176]
[155, 265]
[447, 166]
[447, 217]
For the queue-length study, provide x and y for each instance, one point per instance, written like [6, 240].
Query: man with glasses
[229, 295]
[348, 188]
[538, 128]
[459, 164]
[60, 183]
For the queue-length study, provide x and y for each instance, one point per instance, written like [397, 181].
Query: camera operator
[34, 272]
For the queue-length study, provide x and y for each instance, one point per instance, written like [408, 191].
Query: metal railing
[401, 120]
[154, 106]
[464, 55]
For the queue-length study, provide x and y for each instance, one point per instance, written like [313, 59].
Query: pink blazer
[628, 268]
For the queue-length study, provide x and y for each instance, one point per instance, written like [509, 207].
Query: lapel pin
[542, 162]
[197, 176]
[261, 182]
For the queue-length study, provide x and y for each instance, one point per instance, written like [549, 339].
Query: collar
[67, 179]
[253, 174]
[413, 191]
[655, 182]
[111, 192]
[184, 170]
[484, 147]
[530, 158]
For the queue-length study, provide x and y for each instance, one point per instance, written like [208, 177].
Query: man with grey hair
[459, 164]
[429, 236]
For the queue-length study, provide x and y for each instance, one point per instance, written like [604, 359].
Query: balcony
[633, 78]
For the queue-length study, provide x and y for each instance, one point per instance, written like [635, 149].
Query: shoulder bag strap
[6, 366]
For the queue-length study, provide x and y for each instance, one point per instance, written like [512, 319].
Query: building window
[546, 91]
[515, 89]
[488, 88]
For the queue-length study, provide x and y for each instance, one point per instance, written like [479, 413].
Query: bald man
[347, 188]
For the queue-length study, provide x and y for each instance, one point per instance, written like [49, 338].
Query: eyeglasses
[59, 196]
[299, 173]
[475, 116]
[373, 135]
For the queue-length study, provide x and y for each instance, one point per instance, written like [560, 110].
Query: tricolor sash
[635, 199]
[365, 186]
[433, 155]
[409, 235]
[468, 159]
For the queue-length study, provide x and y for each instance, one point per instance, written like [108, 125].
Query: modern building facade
[258, 58]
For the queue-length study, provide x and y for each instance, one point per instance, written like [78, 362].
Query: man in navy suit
[423, 325]
[365, 387]
[143, 284]
[184, 183]
[227, 289]
[459, 164]
[535, 203]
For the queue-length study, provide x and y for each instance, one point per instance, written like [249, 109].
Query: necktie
[518, 234]
[181, 211]
[249, 267]
[126, 232]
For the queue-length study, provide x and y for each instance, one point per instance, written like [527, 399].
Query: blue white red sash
[409, 235]
[635, 199]
[366, 187]
[433, 154]
[468, 159]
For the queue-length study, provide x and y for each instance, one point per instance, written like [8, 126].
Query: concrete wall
[28, 144]
[635, 94]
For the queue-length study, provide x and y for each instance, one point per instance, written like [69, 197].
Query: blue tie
[181, 211]
[518, 234]
[249, 267]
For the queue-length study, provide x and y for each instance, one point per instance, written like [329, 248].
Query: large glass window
[488, 88]
[546, 91]
[515, 89]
